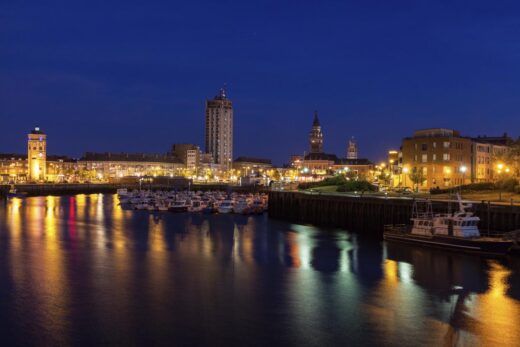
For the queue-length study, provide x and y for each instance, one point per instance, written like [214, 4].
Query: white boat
[197, 206]
[226, 206]
[179, 206]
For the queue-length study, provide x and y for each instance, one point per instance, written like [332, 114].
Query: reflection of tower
[352, 150]
[316, 136]
[37, 155]
[219, 129]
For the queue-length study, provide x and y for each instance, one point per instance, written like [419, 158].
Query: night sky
[125, 76]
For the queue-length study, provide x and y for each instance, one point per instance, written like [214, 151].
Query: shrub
[360, 186]
[508, 184]
[331, 181]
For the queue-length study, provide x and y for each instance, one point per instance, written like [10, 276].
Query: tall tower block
[37, 155]
[352, 149]
[219, 130]
[316, 136]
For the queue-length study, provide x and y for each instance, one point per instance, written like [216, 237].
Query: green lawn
[493, 196]
[324, 189]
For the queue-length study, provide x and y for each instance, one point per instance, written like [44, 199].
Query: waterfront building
[352, 149]
[61, 169]
[37, 155]
[13, 168]
[296, 161]
[317, 162]
[443, 157]
[326, 164]
[188, 154]
[248, 165]
[447, 159]
[114, 166]
[394, 167]
[316, 136]
[488, 152]
[219, 130]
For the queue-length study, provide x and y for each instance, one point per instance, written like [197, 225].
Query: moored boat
[14, 193]
[226, 206]
[457, 231]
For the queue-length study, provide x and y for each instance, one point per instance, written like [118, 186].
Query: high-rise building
[219, 129]
[352, 149]
[37, 155]
[316, 136]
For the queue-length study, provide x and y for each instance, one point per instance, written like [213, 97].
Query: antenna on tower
[223, 91]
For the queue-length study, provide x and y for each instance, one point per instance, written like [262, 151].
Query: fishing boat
[457, 231]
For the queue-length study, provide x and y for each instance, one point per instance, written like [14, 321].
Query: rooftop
[136, 157]
[252, 160]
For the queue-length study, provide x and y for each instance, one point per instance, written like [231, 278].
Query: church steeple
[316, 136]
[316, 122]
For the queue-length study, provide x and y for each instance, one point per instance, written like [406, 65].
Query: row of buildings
[181, 160]
[429, 159]
[444, 158]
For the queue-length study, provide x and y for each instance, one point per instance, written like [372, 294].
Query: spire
[316, 122]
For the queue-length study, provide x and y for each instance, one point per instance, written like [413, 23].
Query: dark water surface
[81, 271]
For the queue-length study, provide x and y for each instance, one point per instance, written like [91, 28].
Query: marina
[193, 202]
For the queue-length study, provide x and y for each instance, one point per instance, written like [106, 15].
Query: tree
[417, 177]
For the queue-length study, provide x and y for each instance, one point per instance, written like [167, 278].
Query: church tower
[352, 149]
[316, 136]
[37, 155]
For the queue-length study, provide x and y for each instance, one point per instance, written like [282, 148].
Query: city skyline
[371, 73]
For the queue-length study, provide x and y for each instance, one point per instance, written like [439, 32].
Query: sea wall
[110, 188]
[370, 214]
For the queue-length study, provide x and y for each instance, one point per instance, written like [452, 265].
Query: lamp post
[463, 170]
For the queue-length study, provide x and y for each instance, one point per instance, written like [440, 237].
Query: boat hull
[178, 209]
[478, 245]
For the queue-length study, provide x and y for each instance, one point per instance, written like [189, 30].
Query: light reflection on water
[79, 270]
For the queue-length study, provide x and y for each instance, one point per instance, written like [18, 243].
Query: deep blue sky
[125, 76]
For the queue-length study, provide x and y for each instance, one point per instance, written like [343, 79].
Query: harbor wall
[370, 214]
[110, 188]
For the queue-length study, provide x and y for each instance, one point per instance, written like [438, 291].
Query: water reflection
[79, 270]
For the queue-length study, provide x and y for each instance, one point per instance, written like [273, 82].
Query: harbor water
[79, 270]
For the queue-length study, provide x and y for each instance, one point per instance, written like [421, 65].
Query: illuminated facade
[448, 159]
[188, 154]
[352, 149]
[13, 168]
[443, 156]
[37, 155]
[219, 130]
[488, 153]
[114, 166]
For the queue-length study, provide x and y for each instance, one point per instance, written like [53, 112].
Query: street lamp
[463, 170]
